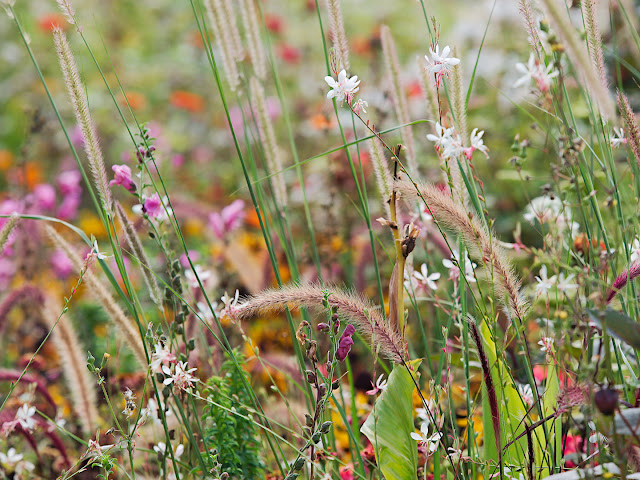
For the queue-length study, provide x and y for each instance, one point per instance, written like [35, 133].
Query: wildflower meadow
[320, 239]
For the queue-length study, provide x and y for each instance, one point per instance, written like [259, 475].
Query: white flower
[95, 251]
[550, 209]
[161, 447]
[564, 284]
[161, 356]
[24, 416]
[619, 138]
[360, 106]
[546, 344]
[230, 304]
[440, 64]
[181, 376]
[526, 393]
[10, 458]
[476, 144]
[154, 412]
[204, 311]
[431, 442]
[442, 137]
[426, 280]
[596, 437]
[192, 278]
[544, 283]
[536, 71]
[380, 386]
[344, 88]
[635, 249]
[454, 270]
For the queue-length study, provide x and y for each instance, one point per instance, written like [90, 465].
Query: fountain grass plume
[129, 332]
[621, 280]
[397, 94]
[73, 360]
[76, 91]
[531, 26]
[559, 20]
[630, 125]
[216, 15]
[594, 39]
[272, 152]
[353, 308]
[338, 35]
[479, 240]
[381, 170]
[7, 230]
[458, 100]
[250, 20]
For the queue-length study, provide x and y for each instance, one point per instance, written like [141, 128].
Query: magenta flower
[45, 196]
[153, 205]
[123, 177]
[344, 345]
[228, 220]
[61, 264]
[69, 182]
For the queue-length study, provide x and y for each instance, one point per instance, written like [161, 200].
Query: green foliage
[389, 427]
[229, 429]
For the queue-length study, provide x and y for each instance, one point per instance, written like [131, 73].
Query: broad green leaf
[549, 404]
[390, 424]
[617, 323]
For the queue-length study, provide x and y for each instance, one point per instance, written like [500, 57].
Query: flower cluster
[449, 144]
[536, 71]
[440, 64]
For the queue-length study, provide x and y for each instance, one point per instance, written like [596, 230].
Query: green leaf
[390, 424]
[622, 326]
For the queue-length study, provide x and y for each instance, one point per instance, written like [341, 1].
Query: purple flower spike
[346, 340]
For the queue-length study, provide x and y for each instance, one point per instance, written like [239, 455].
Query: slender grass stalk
[73, 360]
[130, 334]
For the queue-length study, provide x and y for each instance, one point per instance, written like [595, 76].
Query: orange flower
[191, 102]
[321, 122]
[6, 159]
[49, 21]
[137, 100]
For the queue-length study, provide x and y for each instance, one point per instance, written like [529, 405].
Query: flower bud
[326, 426]
[606, 400]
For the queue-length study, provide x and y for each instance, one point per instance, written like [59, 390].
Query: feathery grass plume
[458, 107]
[272, 151]
[73, 360]
[381, 169]
[621, 280]
[630, 125]
[215, 13]
[229, 19]
[481, 243]
[129, 331]
[7, 230]
[559, 20]
[488, 380]
[399, 99]
[353, 308]
[251, 22]
[531, 25]
[67, 10]
[594, 39]
[338, 36]
[76, 91]
[429, 90]
[136, 248]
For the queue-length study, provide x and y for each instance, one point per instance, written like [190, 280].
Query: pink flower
[45, 196]
[344, 345]
[69, 182]
[228, 220]
[61, 264]
[123, 177]
[153, 205]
